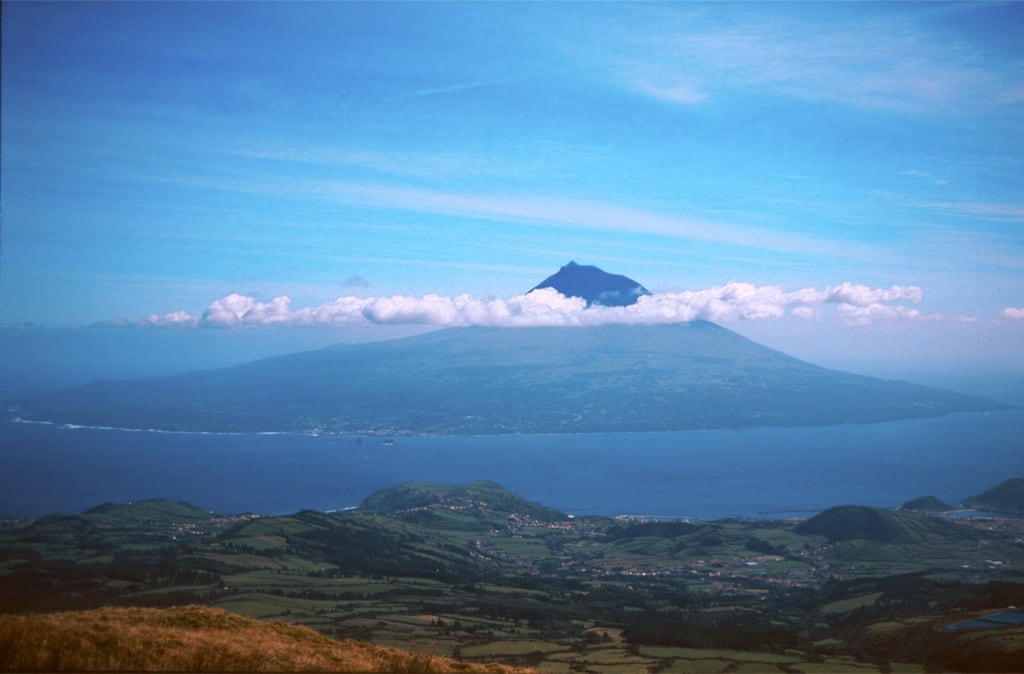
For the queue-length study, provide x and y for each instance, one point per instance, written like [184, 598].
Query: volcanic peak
[594, 285]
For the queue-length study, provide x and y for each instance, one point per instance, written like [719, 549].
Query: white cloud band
[1013, 313]
[734, 301]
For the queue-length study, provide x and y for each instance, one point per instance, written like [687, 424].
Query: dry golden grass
[196, 639]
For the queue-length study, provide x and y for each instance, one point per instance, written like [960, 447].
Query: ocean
[700, 475]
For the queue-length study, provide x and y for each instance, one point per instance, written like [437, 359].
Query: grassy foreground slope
[198, 639]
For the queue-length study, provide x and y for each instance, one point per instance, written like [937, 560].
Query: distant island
[488, 380]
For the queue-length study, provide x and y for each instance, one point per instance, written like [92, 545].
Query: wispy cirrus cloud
[987, 210]
[735, 301]
[1013, 313]
[566, 212]
[856, 60]
[547, 211]
[418, 164]
[463, 86]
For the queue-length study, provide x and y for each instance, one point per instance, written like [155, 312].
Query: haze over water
[762, 472]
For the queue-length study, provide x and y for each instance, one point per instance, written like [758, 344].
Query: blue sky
[839, 180]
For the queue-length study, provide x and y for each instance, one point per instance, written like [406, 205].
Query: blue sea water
[991, 621]
[761, 472]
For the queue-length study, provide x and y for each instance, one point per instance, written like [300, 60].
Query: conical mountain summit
[594, 285]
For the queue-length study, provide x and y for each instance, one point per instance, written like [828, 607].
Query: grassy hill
[1005, 497]
[159, 514]
[847, 523]
[195, 639]
[927, 504]
[359, 543]
[483, 498]
[162, 521]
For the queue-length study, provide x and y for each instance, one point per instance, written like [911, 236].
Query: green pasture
[272, 579]
[503, 648]
[608, 660]
[838, 665]
[847, 605]
[522, 547]
[259, 605]
[699, 666]
[512, 590]
[721, 654]
[261, 542]
[625, 668]
[244, 560]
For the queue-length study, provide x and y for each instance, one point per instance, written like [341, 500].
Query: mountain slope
[847, 523]
[1005, 497]
[195, 639]
[365, 543]
[508, 380]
